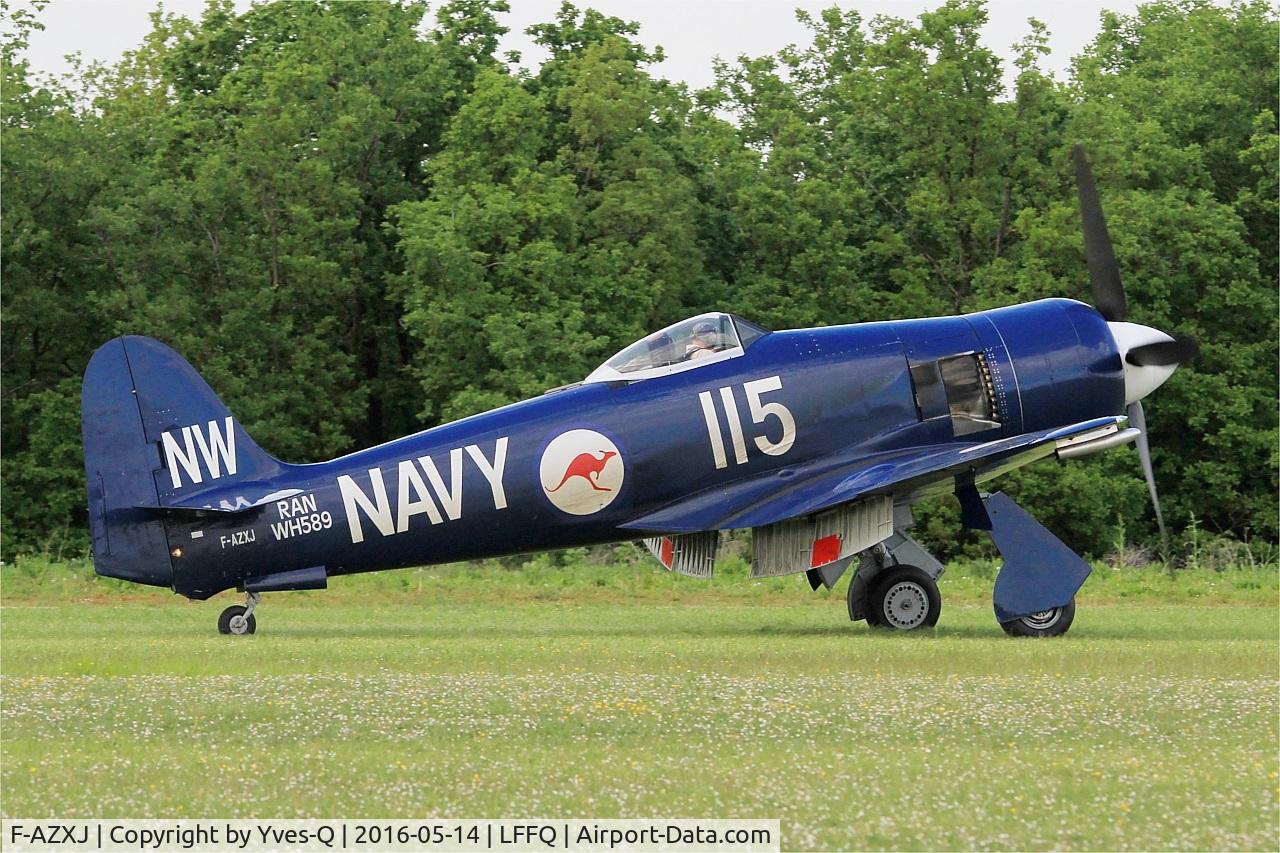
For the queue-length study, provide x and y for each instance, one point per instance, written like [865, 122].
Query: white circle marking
[581, 472]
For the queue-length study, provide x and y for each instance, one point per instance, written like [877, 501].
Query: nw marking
[217, 449]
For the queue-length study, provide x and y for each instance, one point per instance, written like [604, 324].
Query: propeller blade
[1138, 418]
[1104, 272]
[1163, 353]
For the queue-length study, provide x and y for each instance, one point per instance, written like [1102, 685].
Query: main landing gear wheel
[238, 619]
[1046, 623]
[904, 598]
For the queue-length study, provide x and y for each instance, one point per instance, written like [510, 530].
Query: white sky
[691, 32]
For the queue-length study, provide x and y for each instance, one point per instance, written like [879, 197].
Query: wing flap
[797, 544]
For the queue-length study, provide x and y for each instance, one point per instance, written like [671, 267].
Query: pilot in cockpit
[705, 341]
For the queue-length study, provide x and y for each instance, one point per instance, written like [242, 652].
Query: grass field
[618, 691]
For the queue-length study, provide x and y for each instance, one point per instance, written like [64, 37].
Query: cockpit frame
[692, 343]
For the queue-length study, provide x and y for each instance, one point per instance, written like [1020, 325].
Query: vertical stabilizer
[155, 435]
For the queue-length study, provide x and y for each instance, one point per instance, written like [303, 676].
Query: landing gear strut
[896, 586]
[239, 619]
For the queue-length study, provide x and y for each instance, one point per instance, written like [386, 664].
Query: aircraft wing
[789, 493]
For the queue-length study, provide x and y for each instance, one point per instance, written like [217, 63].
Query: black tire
[869, 612]
[904, 598]
[249, 626]
[1047, 623]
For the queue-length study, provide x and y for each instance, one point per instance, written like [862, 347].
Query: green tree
[562, 214]
[226, 190]
[1177, 104]
[354, 220]
[53, 169]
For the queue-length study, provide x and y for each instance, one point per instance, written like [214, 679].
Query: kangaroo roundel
[581, 472]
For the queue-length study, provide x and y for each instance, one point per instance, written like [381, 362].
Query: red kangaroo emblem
[587, 467]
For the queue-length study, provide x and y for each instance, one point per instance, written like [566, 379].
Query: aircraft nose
[1149, 357]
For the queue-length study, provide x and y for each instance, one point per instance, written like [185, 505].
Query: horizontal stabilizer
[242, 498]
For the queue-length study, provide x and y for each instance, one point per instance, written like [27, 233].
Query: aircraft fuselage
[569, 468]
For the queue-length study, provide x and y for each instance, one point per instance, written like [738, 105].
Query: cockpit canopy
[695, 342]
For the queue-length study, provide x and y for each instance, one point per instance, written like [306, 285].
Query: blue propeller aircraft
[819, 440]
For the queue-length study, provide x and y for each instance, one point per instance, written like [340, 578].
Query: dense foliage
[357, 222]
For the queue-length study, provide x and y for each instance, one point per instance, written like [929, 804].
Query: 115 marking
[760, 411]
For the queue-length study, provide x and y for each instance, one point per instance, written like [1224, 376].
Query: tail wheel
[1047, 623]
[905, 598]
[235, 621]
